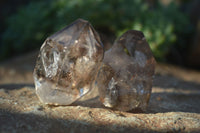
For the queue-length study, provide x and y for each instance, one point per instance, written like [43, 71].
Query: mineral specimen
[68, 64]
[125, 78]
[71, 63]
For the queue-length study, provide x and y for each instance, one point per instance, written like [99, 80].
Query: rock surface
[174, 105]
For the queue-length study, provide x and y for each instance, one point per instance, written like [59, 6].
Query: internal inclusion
[68, 63]
[72, 63]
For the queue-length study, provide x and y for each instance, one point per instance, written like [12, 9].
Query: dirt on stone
[174, 105]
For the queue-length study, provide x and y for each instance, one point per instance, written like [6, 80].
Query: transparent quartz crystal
[68, 64]
[125, 78]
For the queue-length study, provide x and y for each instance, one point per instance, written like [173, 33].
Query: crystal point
[68, 64]
[125, 78]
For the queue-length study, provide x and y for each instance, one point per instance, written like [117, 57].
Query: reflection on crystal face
[127, 69]
[140, 58]
[111, 94]
[68, 63]
[71, 63]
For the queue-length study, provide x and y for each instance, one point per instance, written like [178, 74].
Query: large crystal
[125, 78]
[68, 64]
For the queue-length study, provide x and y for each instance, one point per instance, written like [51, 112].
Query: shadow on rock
[15, 86]
[173, 102]
[18, 122]
[167, 81]
[171, 94]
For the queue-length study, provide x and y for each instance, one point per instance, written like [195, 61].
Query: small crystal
[68, 64]
[125, 78]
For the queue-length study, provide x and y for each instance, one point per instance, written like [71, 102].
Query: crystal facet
[125, 78]
[68, 64]
[71, 63]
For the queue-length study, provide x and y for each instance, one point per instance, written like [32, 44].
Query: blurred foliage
[28, 28]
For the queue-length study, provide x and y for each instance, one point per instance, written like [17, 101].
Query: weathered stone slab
[21, 111]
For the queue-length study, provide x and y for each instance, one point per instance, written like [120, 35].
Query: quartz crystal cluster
[72, 62]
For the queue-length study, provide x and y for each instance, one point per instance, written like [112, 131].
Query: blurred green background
[171, 27]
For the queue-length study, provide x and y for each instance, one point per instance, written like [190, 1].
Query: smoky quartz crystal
[68, 64]
[72, 62]
[125, 78]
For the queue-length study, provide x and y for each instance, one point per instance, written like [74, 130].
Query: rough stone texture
[174, 105]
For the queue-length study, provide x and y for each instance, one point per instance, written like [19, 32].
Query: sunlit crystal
[125, 78]
[68, 64]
